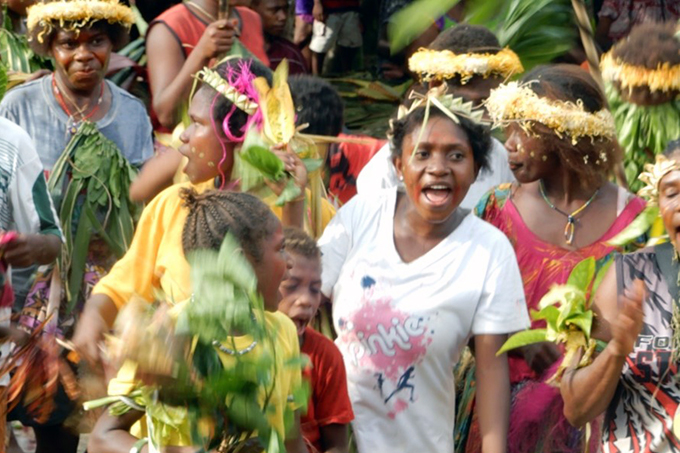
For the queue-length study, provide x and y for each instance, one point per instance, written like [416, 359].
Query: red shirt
[329, 403]
[346, 161]
[188, 29]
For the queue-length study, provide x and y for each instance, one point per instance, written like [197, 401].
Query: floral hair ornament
[78, 13]
[451, 106]
[514, 102]
[664, 78]
[653, 175]
[444, 64]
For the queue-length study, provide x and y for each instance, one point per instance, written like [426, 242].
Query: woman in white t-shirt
[412, 277]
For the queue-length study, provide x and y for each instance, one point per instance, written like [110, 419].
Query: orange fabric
[329, 403]
[188, 29]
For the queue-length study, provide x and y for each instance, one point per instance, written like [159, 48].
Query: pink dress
[535, 405]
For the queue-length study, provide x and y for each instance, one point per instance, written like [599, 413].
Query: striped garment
[25, 204]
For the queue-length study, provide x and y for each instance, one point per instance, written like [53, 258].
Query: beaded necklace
[570, 227]
[72, 125]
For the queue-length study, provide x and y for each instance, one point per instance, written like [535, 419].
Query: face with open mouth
[301, 290]
[528, 159]
[438, 175]
[669, 204]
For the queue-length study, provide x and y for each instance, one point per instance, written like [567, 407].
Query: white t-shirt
[401, 326]
[379, 173]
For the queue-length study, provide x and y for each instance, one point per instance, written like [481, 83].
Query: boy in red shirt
[329, 411]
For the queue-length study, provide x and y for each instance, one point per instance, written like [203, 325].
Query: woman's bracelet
[137, 447]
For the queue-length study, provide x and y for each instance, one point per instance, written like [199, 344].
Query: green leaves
[564, 308]
[410, 22]
[224, 285]
[523, 338]
[262, 159]
[538, 31]
[638, 227]
[3, 80]
[643, 131]
[89, 186]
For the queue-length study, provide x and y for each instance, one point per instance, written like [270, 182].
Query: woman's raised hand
[628, 324]
[293, 165]
[217, 38]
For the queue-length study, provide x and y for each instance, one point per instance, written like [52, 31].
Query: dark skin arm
[294, 441]
[29, 249]
[170, 73]
[98, 316]
[156, 175]
[110, 435]
[334, 438]
[493, 392]
[588, 391]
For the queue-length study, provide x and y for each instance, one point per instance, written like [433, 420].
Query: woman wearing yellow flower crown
[560, 211]
[642, 75]
[633, 381]
[470, 61]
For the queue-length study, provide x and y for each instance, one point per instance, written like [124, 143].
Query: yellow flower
[512, 102]
[78, 13]
[444, 64]
[653, 175]
[664, 78]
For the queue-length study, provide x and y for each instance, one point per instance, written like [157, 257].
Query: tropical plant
[89, 185]
[172, 370]
[566, 310]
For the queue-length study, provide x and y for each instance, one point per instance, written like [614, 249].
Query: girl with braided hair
[156, 259]
[211, 216]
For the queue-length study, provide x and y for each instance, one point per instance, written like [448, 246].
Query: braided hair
[300, 243]
[214, 213]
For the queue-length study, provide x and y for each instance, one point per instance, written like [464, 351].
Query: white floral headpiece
[514, 102]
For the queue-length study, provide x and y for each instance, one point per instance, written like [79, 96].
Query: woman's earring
[401, 178]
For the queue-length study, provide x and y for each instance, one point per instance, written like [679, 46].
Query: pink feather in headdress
[241, 79]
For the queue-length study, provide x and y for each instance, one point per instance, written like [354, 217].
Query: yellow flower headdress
[514, 102]
[653, 175]
[444, 64]
[78, 13]
[664, 78]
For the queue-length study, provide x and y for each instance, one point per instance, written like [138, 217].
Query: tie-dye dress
[536, 420]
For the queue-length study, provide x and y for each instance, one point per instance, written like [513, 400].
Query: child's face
[272, 268]
[301, 291]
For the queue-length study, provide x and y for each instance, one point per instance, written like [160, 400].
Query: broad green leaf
[582, 274]
[312, 165]
[523, 338]
[261, 158]
[549, 314]
[600, 275]
[410, 22]
[290, 192]
[3, 80]
[583, 321]
[637, 227]
[557, 294]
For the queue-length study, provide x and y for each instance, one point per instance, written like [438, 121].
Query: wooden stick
[329, 139]
[223, 11]
[588, 40]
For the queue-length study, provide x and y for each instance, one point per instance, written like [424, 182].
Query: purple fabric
[304, 7]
